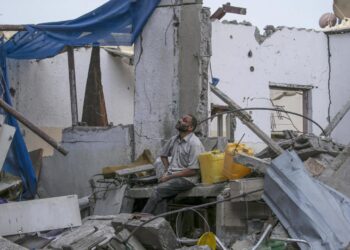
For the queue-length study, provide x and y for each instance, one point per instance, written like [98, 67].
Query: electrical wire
[185, 209]
[262, 108]
[200, 215]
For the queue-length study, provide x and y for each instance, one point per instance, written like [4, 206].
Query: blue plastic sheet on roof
[117, 22]
[17, 161]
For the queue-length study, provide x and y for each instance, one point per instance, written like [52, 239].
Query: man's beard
[181, 127]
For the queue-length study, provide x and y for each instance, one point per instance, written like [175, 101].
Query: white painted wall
[289, 56]
[340, 83]
[42, 88]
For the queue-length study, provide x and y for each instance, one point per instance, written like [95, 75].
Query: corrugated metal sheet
[308, 209]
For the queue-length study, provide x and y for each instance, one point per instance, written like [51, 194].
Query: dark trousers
[157, 202]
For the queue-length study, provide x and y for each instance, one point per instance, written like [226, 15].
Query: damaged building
[87, 105]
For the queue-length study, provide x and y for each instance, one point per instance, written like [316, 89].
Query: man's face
[184, 124]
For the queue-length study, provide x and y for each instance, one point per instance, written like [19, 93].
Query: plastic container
[233, 170]
[212, 165]
[207, 239]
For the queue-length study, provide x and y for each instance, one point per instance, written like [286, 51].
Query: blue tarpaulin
[117, 22]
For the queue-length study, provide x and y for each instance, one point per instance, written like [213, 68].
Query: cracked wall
[169, 71]
[286, 56]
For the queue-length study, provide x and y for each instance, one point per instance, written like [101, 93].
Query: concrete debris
[242, 216]
[242, 244]
[96, 232]
[156, 234]
[39, 215]
[10, 187]
[256, 164]
[314, 167]
[338, 175]
[8, 245]
[306, 146]
[31, 241]
[308, 209]
[296, 197]
[111, 203]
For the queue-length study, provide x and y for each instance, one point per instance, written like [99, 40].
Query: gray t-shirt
[184, 154]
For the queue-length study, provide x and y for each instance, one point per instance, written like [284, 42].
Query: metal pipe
[219, 242]
[262, 238]
[261, 108]
[292, 240]
[32, 127]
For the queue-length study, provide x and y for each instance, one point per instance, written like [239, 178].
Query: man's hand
[164, 178]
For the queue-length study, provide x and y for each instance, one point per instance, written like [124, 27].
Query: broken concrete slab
[96, 232]
[308, 209]
[113, 202]
[156, 234]
[30, 241]
[135, 170]
[39, 215]
[8, 245]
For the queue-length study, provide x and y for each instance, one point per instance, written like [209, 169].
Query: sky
[292, 13]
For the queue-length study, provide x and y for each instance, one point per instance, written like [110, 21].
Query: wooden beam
[10, 27]
[246, 120]
[337, 118]
[72, 85]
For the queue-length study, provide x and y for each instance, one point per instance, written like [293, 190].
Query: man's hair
[193, 121]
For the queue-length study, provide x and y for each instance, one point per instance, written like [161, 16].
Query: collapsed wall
[90, 149]
[41, 92]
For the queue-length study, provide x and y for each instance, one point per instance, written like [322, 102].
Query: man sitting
[182, 172]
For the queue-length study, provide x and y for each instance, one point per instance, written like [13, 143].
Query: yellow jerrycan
[212, 164]
[233, 170]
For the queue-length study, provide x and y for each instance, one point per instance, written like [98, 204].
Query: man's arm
[183, 173]
[165, 162]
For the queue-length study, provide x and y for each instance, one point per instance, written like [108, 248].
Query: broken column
[171, 61]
